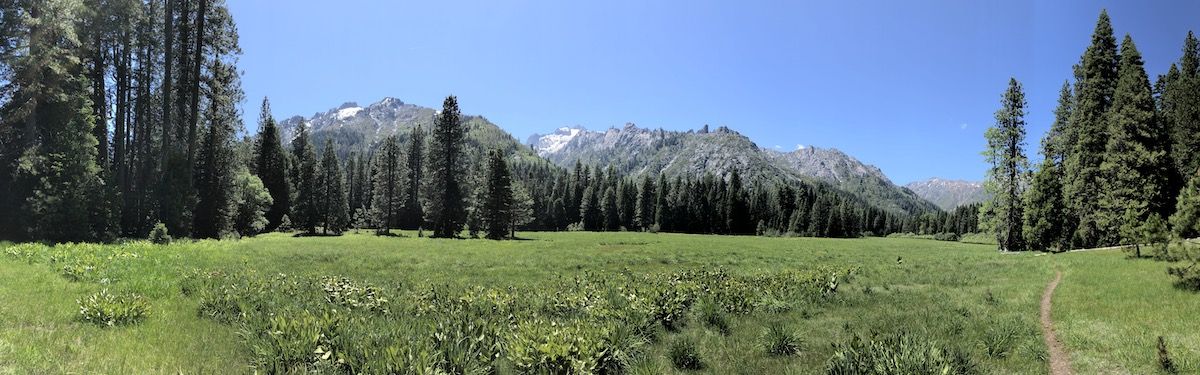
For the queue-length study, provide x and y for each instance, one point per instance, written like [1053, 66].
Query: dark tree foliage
[388, 195]
[271, 166]
[1005, 179]
[497, 204]
[305, 212]
[215, 206]
[1046, 222]
[1095, 81]
[413, 215]
[332, 205]
[446, 212]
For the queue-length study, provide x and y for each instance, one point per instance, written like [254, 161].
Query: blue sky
[908, 86]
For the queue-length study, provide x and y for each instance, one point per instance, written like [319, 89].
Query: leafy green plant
[778, 340]
[684, 355]
[159, 235]
[107, 309]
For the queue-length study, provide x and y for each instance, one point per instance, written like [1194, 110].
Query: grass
[1109, 310]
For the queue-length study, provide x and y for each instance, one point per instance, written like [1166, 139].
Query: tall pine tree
[1046, 222]
[1096, 77]
[497, 200]
[1005, 178]
[1136, 166]
[414, 215]
[270, 165]
[335, 211]
[304, 213]
[388, 195]
[446, 213]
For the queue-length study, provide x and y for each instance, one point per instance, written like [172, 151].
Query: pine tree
[1046, 222]
[388, 195]
[644, 214]
[1136, 165]
[1186, 219]
[661, 202]
[738, 214]
[1181, 99]
[271, 166]
[609, 210]
[304, 214]
[446, 212]
[46, 127]
[414, 215]
[522, 209]
[216, 203]
[1005, 179]
[497, 202]
[332, 205]
[1096, 78]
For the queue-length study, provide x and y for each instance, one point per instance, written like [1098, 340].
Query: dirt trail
[1059, 361]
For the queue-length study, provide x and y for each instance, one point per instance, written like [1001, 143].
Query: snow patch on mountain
[346, 113]
[554, 142]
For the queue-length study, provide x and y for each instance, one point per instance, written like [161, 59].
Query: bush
[898, 353]
[946, 236]
[778, 340]
[159, 234]
[712, 317]
[109, 310]
[684, 355]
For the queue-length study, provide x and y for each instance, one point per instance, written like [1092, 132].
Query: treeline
[1121, 161]
[117, 114]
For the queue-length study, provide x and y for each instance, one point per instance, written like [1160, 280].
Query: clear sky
[908, 86]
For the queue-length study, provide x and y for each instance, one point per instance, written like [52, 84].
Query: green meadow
[580, 302]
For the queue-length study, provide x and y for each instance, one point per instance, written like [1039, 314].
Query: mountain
[635, 150]
[949, 194]
[357, 128]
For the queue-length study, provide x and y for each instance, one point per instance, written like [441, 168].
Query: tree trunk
[194, 117]
[99, 98]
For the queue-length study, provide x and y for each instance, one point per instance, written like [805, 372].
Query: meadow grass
[1109, 310]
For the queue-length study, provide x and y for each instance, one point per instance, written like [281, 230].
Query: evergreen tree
[216, 203]
[304, 214]
[1096, 78]
[497, 201]
[661, 202]
[1186, 220]
[522, 209]
[1006, 154]
[609, 210]
[738, 214]
[46, 126]
[1136, 164]
[644, 214]
[1181, 99]
[271, 166]
[414, 215]
[388, 195]
[332, 205]
[446, 212]
[1046, 222]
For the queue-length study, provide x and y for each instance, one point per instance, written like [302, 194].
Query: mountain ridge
[948, 194]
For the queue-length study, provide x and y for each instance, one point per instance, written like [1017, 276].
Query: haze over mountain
[948, 194]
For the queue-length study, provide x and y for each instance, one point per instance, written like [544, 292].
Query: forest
[120, 115]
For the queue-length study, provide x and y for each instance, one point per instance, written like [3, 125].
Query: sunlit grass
[1109, 309]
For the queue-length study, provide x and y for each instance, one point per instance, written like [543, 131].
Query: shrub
[712, 317]
[946, 236]
[684, 356]
[29, 252]
[159, 234]
[109, 310]
[898, 353]
[778, 340]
